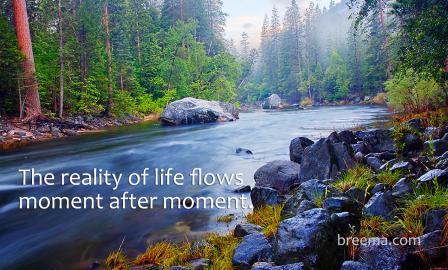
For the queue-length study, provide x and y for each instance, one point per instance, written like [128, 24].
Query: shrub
[414, 92]
[123, 104]
[306, 102]
[380, 98]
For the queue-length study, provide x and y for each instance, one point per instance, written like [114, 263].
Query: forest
[131, 57]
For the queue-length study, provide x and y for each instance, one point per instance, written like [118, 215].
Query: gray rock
[434, 133]
[403, 166]
[428, 178]
[359, 157]
[316, 161]
[380, 254]
[412, 143]
[402, 188]
[377, 140]
[272, 102]
[389, 164]
[435, 219]
[381, 204]
[356, 194]
[278, 174]
[305, 205]
[431, 245]
[445, 136]
[315, 189]
[343, 155]
[374, 163]
[360, 147]
[325, 159]
[261, 196]
[270, 266]
[443, 156]
[291, 205]
[200, 264]
[242, 230]
[297, 147]
[387, 155]
[417, 124]
[442, 164]
[243, 151]
[243, 189]
[380, 187]
[342, 204]
[347, 136]
[437, 147]
[196, 111]
[352, 265]
[344, 222]
[179, 268]
[253, 248]
[308, 238]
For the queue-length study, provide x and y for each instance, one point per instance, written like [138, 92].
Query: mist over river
[74, 239]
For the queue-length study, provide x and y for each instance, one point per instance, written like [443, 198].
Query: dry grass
[267, 217]
[226, 218]
[437, 118]
[117, 261]
[219, 249]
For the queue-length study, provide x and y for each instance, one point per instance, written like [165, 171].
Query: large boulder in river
[278, 174]
[197, 111]
[272, 102]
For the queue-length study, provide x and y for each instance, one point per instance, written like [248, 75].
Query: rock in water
[262, 196]
[278, 174]
[272, 102]
[197, 111]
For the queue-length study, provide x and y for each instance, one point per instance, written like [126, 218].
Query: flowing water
[73, 239]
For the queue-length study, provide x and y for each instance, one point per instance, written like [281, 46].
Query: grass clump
[226, 218]
[167, 254]
[388, 178]
[268, 217]
[219, 249]
[359, 176]
[418, 204]
[399, 134]
[117, 261]
[375, 226]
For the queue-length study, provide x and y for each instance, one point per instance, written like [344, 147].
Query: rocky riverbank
[367, 188]
[15, 134]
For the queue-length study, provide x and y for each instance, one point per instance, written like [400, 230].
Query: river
[62, 239]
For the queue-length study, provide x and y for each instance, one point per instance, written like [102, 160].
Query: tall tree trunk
[61, 62]
[109, 58]
[386, 37]
[32, 102]
[83, 53]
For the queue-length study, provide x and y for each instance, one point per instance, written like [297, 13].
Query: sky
[247, 16]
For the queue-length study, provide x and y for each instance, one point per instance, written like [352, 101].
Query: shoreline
[15, 135]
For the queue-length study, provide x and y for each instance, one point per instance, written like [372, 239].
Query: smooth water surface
[58, 239]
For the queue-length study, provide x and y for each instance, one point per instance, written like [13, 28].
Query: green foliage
[410, 91]
[337, 79]
[360, 176]
[10, 58]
